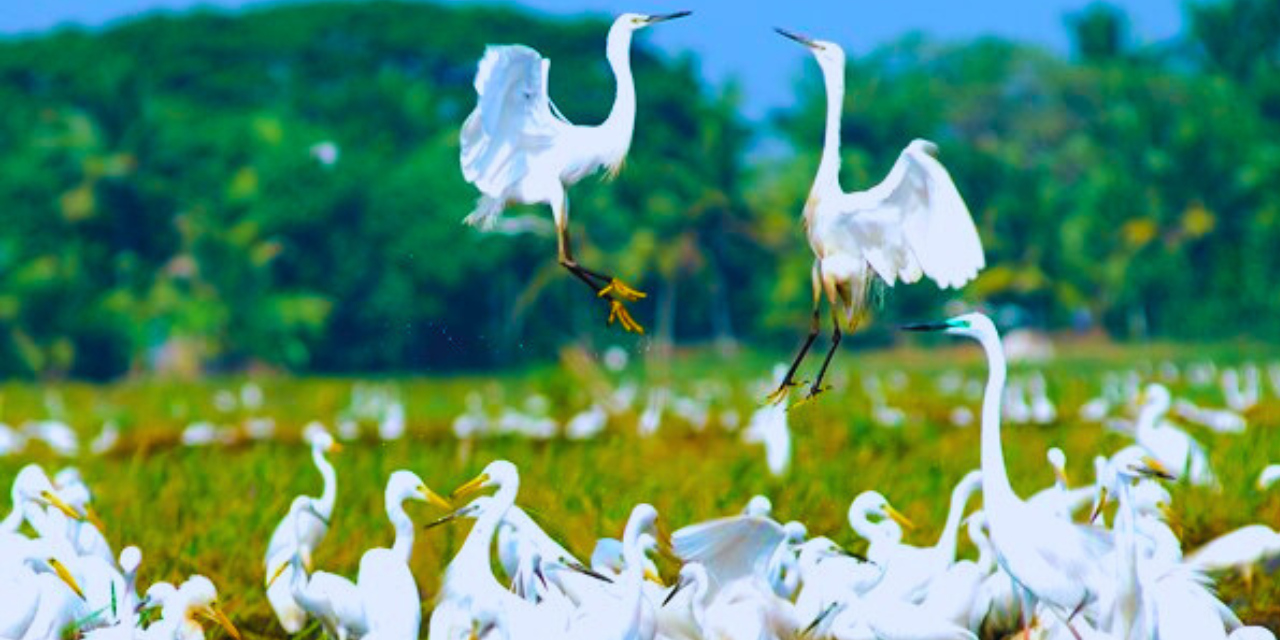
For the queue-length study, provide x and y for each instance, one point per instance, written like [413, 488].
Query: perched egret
[313, 523]
[913, 223]
[516, 147]
[1050, 559]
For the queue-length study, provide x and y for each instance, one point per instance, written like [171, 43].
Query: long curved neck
[829, 167]
[951, 531]
[986, 559]
[475, 549]
[325, 504]
[995, 478]
[620, 124]
[403, 545]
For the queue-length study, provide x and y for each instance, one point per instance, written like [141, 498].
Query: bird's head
[827, 53]
[870, 503]
[974, 325]
[406, 485]
[638, 21]
[1058, 460]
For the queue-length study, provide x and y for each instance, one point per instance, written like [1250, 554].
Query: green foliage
[165, 205]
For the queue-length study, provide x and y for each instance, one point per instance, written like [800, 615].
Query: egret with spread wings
[912, 224]
[518, 149]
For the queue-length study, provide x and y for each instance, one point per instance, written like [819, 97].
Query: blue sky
[733, 37]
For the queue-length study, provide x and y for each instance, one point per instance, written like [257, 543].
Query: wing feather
[730, 548]
[913, 223]
[512, 118]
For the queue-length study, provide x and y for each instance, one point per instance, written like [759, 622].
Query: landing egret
[516, 147]
[913, 223]
[1051, 560]
[305, 527]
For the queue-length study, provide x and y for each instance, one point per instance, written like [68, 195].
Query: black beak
[818, 620]
[443, 520]
[808, 42]
[142, 604]
[1155, 473]
[674, 590]
[668, 16]
[926, 326]
[588, 572]
[537, 571]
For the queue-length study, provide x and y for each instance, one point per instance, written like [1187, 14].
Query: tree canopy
[282, 186]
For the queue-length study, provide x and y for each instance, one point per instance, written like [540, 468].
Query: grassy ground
[212, 510]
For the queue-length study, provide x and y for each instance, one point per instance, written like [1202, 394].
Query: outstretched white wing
[513, 117]
[730, 548]
[912, 223]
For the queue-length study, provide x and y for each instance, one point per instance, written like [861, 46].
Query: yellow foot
[621, 290]
[618, 311]
[782, 392]
[811, 396]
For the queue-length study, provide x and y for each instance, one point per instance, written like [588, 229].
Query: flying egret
[1051, 560]
[313, 523]
[516, 147]
[913, 223]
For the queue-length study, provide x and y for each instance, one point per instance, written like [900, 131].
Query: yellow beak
[1102, 504]
[216, 615]
[64, 575]
[897, 517]
[93, 518]
[54, 501]
[1159, 469]
[334, 447]
[475, 484]
[1063, 477]
[653, 577]
[433, 498]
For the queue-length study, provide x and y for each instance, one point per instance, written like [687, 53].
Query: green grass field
[211, 510]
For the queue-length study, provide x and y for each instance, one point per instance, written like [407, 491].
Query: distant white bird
[1269, 476]
[912, 224]
[12, 441]
[768, 426]
[588, 424]
[57, 434]
[516, 147]
[1173, 447]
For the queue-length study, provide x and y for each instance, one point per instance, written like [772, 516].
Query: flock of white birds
[1050, 563]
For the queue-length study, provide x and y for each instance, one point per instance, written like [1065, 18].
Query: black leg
[835, 344]
[788, 380]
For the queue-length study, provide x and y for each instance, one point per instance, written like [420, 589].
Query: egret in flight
[517, 148]
[912, 224]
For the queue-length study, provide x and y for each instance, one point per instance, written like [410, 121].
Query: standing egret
[331, 598]
[290, 535]
[1050, 559]
[913, 223]
[516, 147]
[387, 589]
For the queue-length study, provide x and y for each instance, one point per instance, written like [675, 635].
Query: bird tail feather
[486, 213]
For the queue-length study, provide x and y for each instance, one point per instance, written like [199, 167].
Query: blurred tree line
[282, 186]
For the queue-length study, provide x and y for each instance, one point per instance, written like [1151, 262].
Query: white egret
[1050, 559]
[1059, 499]
[628, 615]
[332, 599]
[84, 534]
[470, 597]
[388, 592]
[305, 527]
[1173, 447]
[1269, 476]
[768, 426]
[196, 597]
[31, 489]
[516, 147]
[913, 223]
[1239, 550]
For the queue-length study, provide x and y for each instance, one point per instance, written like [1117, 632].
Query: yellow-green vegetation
[211, 510]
